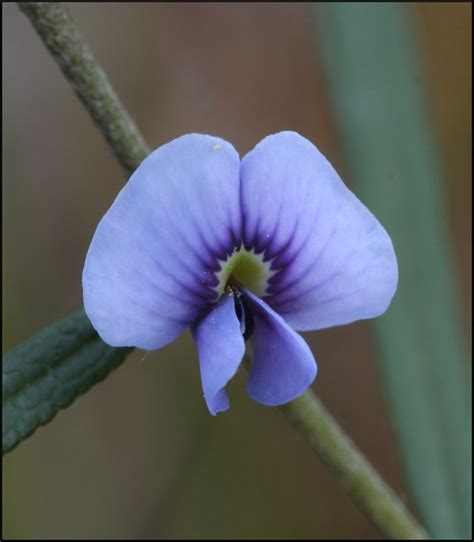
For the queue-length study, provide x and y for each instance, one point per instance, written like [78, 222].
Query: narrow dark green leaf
[376, 84]
[49, 370]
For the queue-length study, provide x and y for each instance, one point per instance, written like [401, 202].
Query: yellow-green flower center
[246, 268]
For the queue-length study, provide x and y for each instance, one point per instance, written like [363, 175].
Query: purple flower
[254, 249]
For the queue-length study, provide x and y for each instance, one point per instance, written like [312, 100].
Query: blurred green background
[139, 456]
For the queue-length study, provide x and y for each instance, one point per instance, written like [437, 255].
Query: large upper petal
[220, 346]
[149, 271]
[334, 263]
[282, 365]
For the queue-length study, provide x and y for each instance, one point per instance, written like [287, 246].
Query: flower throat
[247, 268]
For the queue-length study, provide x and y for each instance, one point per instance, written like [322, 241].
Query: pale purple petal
[283, 366]
[334, 263]
[220, 348]
[150, 269]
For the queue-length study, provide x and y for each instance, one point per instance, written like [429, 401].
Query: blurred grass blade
[374, 78]
[48, 371]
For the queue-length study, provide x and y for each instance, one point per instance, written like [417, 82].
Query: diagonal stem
[358, 477]
[320, 430]
[62, 38]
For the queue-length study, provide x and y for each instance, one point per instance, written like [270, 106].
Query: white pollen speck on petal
[216, 147]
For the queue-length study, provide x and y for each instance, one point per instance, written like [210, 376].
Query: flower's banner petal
[333, 261]
[150, 267]
[220, 348]
[283, 365]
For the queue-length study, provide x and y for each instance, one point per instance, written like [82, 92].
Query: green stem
[90, 83]
[358, 477]
[60, 35]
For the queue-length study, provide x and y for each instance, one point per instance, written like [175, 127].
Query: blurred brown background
[139, 456]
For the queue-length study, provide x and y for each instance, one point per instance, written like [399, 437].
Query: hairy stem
[358, 477]
[320, 430]
[63, 40]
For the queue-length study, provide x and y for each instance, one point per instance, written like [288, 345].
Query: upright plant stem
[75, 59]
[63, 40]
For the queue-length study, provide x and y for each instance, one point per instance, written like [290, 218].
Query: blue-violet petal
[283, 365]
[150, 268]
[220, 346]
[333, 262]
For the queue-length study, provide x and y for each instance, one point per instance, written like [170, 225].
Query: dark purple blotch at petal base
[283, 366]
[221, 347]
